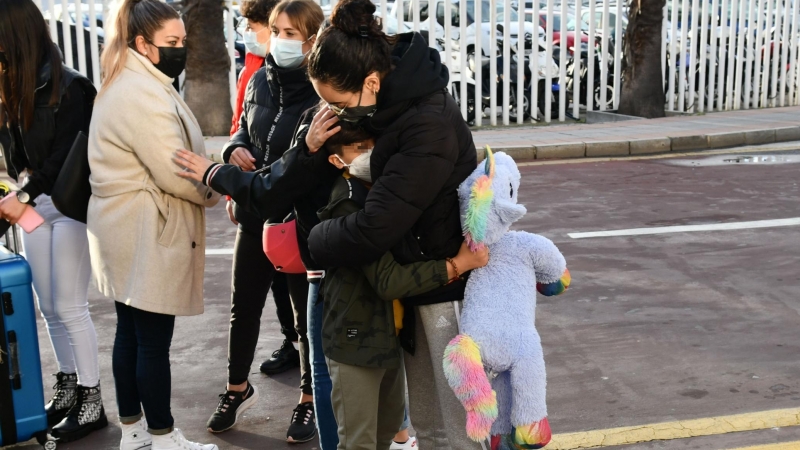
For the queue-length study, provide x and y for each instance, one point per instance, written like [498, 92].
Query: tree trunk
[642, 88]
[207, 89]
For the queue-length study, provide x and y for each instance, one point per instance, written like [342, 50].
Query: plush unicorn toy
[498, 340]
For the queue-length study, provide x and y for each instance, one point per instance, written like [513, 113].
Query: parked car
[453, 11]
[564, 32]
[239, 24]
[612, 22]
[86, 15]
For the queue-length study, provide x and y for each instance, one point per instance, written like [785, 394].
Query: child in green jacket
[358, 329]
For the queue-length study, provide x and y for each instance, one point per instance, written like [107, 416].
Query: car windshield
[598, 22]
[73, 16]
[486, 12]
[556, 23]
[571, 25]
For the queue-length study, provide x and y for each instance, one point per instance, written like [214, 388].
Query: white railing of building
[717, 54]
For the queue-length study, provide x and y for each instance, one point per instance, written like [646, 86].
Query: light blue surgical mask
[252, 45]
[288, 53]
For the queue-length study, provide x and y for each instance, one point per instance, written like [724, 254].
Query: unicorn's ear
[488, 166]
[476, 218]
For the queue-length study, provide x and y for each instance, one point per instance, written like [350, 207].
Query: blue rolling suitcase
[22, 415]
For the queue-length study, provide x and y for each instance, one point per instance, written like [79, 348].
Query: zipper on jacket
[277, 118]
[19, 126]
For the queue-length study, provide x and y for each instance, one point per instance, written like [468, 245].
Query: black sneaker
[66, 389]
[282, 359]
[85, 416]
[303, 427]
[231, 406]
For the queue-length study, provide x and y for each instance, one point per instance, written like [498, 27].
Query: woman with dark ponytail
[396, 89]
[43, 106]
[146, 224]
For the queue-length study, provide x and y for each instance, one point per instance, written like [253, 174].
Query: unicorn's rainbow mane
[480, 205]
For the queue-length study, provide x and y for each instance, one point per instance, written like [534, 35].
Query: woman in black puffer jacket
[396, 88]
[275, 99]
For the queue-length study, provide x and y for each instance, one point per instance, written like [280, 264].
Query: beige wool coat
[146, 225]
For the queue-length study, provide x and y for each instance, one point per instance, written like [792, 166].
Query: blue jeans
[320, 379]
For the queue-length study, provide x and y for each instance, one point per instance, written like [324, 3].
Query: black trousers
[140, 363]
[253, 275]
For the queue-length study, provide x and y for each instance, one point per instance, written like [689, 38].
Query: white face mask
[252, 45]
[288, 53]
[359, 168]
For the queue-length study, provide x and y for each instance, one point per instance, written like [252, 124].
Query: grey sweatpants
[438, 417]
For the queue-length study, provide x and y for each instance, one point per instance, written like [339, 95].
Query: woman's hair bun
[356, 18]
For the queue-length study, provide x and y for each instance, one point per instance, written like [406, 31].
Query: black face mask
[171, 60]
[354, 114]
[3, 61]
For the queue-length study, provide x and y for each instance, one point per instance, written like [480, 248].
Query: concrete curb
[642, 146]
[684, 143]
[589, 149]
[722, 140]
[561, 151]
[608, 148]
[649, 146]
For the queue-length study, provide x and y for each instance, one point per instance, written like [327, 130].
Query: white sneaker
[410, 444]
[176, 441]
[135, 436]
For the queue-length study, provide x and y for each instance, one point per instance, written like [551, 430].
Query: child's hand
[467, 259]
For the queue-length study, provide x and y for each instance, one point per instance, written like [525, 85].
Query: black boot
[282, 359]
[63, 398]
[85, 416]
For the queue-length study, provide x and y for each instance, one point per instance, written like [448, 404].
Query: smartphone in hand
[30, 219]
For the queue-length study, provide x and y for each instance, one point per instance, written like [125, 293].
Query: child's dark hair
[349, 134]
[258, 10]
[351, 48]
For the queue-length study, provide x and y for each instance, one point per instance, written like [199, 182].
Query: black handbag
[71, 191]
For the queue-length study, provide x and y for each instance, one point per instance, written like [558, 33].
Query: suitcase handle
[12, 242]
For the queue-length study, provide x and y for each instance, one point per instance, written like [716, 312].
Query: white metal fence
[87, 20]
[517, 61]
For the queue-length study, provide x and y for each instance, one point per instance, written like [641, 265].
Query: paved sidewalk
[681, 133]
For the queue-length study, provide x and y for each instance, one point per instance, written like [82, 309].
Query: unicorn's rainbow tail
[464, 371]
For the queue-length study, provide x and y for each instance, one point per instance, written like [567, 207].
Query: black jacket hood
[418, 72]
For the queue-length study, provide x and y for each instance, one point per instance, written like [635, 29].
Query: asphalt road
[655, 328]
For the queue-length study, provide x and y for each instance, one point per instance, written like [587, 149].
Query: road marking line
[219, 251]
[677, 430]
[781, 446]
[792, 221]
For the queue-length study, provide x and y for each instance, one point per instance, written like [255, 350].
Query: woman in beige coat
[146, 225]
